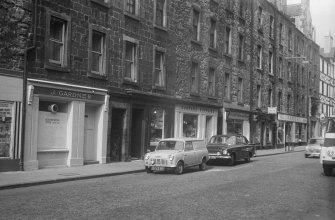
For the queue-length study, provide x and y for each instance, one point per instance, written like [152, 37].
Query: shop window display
[5, 129]
[190, 125]
[234, 127]
[157, 125]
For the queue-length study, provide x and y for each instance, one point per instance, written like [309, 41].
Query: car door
[245, 147]
[189, 159]
[239, 148]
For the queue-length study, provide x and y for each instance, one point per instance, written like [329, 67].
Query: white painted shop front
[66, 125]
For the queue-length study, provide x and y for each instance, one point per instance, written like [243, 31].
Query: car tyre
[202, 166]
[179, 168]
[247, 160]
[148, 170]
[306, 156]
[327, 170]
[232, 160]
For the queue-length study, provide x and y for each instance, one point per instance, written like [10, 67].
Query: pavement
[16, 179]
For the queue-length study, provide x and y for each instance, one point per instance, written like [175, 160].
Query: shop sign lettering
[197, 109]
[291, 118]
[68, 94]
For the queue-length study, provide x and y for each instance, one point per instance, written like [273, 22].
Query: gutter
[24, 93]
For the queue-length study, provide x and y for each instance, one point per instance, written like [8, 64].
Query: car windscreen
[218, 140]
[170, 145]
[316, 141]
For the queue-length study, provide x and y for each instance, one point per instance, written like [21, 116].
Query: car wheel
[202, 166]
[179, 168]
[232, 160]
[247, 160]
[306, 156]
[327, 170]
[148, 170]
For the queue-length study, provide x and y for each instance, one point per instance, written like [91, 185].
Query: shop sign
[5, 110]
[197, 109]
[283, 117]
[272, 110]
[68, 94]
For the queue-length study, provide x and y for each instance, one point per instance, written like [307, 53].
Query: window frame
[162, 51]
[270, 62]
[259, 96]
[213, 34]
[164, 18]
[227, 86]
[259, 57]
[241, 47]
[105, 33]
[198, 24]
[240, 90]
[271, 26]
[136, 8]
[64, 64]
[211, 92]
[135, 74]
[228, 40]
[196, 76]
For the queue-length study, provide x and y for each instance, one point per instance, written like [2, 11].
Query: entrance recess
[137, 136]
[117, 134]
[90, 136]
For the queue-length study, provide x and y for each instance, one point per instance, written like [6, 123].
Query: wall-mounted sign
[272, 110]
[5, 110]
[283, 117]
[68, 94]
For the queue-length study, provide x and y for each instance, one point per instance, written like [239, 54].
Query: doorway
[137, 136]
[90, 135]
[117, 134]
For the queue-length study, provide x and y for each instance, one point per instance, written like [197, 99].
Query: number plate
[158, 168]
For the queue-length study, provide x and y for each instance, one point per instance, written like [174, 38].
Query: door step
[88, 162]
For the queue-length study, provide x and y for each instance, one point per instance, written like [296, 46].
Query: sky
[323, 18]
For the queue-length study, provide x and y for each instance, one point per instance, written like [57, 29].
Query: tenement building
[106, 80]
[327, 77]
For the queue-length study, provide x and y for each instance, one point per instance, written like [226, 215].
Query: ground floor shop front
[66, 125]
[137, 121]
[10, 120]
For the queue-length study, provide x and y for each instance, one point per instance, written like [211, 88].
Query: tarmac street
[283, 186]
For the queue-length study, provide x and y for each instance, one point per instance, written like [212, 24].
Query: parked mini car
[313, 147]
[230, 148]
[176, 154]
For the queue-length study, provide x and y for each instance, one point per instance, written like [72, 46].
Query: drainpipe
[24, 93]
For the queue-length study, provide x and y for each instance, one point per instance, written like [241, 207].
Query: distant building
[327, 80]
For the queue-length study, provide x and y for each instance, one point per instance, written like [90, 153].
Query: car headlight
[224, 151]
[330, 152]
[171, 157]
[146, 157]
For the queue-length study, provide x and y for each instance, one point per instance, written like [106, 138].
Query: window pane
[96, 62]
[159, 12]
[55, 51]
[129, 51]
[128, 69]
[131, 6]
[56, 29]
[97, 39]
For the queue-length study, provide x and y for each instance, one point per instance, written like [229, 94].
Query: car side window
[231, 140]
[188, 146]
[238, 140]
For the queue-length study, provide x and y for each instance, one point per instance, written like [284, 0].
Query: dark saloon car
[230, 148]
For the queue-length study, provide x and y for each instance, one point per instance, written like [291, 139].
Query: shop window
[6, 125]
[190, 125]
[157, 125]
[234, 126]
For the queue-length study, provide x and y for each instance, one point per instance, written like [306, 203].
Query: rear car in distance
[230, 148]
[313, 147]
[176, 154]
